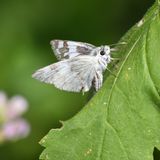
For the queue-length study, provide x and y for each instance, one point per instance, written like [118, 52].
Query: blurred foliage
[26, 28]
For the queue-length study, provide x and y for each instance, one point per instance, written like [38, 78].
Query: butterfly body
[81, 65]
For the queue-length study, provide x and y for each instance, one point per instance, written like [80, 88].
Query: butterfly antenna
[120, 43]
[115, 49]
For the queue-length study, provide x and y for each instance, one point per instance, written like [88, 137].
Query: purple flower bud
[15, 129]
[16, 107]
[11, 125]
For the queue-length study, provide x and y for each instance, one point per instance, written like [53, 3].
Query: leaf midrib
[109, 100]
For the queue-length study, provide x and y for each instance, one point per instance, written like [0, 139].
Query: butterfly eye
[102, 53]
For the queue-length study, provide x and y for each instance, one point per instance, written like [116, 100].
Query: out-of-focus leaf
[122, 121]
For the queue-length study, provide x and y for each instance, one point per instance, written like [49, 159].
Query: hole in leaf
[156, 154]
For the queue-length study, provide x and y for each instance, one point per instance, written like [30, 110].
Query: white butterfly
[81, 65]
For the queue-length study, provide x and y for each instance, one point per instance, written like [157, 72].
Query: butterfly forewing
[64, 49]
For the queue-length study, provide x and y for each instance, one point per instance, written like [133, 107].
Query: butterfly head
[103, 52]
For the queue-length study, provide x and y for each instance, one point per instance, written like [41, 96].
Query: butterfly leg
[98, 79]
[111, 72]
[115, 59]
[85, 89]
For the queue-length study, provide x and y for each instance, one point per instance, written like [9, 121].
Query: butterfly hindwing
[75, 74]
[64, 49]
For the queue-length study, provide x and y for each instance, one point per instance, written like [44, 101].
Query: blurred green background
[26, 28]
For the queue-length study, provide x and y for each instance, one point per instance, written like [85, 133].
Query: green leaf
[122, 121]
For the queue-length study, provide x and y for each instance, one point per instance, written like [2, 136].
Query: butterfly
[81, 66]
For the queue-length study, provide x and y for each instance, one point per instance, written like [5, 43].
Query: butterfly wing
[64, 49]
[75, 74]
